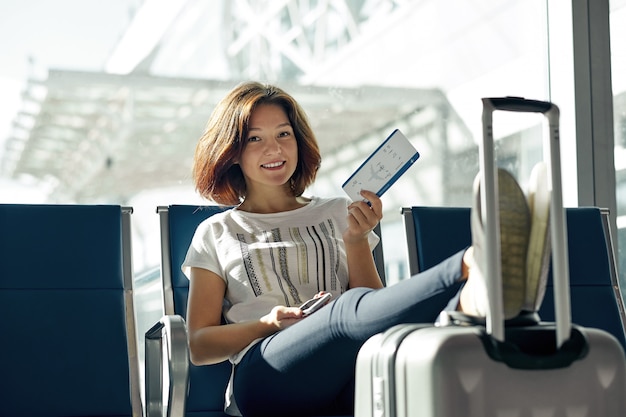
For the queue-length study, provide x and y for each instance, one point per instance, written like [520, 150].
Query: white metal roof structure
[95, 136]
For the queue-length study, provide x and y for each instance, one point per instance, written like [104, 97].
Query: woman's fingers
[367, 214]
[375, 202]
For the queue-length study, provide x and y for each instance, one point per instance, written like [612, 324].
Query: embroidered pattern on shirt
[247, 261]
[329, 234]
[302, 254]
[282, 271]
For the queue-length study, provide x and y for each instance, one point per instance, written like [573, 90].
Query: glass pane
[618, 76]
[116, 121]
[103, 102]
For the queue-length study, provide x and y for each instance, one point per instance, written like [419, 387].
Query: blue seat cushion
[63, 353]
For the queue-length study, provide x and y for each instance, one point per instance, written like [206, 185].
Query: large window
[618, 71]
[125, 133]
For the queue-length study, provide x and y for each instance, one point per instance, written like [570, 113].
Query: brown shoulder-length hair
[216, 175]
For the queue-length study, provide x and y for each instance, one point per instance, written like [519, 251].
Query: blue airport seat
[206, 384]
[194, 390]
[68, 343]
[434, 233]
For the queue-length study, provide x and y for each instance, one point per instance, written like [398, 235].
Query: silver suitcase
[531, 369]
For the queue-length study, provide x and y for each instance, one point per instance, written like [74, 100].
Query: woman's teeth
[273, 165]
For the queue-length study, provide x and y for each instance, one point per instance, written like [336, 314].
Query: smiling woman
[237, 143]
[255, 263]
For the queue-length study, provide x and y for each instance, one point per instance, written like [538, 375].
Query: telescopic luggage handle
[519, 104]
[490, 215]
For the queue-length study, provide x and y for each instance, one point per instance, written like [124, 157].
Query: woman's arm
[210, 341]
[362, 218]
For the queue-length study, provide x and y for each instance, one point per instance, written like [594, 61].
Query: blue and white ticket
[383, 167]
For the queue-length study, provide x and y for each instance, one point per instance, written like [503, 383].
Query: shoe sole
[514, 238]
[537, 263]
[515, 226]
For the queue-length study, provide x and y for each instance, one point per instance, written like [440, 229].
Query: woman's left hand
[363, 217]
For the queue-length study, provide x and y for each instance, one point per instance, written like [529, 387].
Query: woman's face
[270, 154]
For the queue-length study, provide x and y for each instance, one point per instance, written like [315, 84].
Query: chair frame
[168, 335]
[608, 236]
[131, 329]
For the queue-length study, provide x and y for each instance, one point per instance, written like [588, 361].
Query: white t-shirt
[273, 259]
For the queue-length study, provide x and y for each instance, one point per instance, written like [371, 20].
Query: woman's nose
[272, 146]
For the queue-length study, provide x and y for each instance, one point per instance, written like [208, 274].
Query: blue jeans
[309, 367]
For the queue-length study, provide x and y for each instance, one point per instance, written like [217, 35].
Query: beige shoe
[514, 238]
[538, 260]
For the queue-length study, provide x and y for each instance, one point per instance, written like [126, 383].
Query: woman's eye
[254, 139]
[284, 134]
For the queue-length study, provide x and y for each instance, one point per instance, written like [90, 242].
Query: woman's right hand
[281, 317]
[212, 342]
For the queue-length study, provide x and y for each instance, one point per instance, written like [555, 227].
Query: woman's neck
[272, 204]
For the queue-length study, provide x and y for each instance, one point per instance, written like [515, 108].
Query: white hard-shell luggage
[521, 369]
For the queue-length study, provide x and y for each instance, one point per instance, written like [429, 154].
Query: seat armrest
[168, 335]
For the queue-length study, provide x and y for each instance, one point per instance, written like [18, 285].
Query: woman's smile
[274, 165]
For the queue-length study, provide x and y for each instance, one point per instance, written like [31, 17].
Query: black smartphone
[314, 304]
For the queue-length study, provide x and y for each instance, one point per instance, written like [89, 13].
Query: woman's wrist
[355, 240]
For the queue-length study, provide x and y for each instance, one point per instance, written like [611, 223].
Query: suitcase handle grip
[519, 104]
